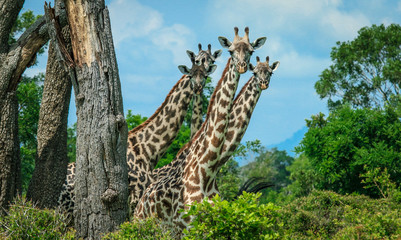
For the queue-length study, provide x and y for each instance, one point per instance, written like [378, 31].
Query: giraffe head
[262, 71]
[205, 54]
[241, 49]
[198, 74]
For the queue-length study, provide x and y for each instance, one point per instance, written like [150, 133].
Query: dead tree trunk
[51, 157]
[14, 60]
[101, 181]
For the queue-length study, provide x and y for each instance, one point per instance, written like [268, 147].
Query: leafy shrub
[24, 221]
[243, 218]
[327, 215]
[380, 179]
[150, 228]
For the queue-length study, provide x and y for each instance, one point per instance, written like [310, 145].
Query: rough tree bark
[14, 60]
[51, 157]
[101, 181]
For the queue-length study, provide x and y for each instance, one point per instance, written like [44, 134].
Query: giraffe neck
[205, 152]
[196, 118]
[240, 115]
[157, 133]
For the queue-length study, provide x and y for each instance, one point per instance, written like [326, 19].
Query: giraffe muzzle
[242, 67]
[263, 86]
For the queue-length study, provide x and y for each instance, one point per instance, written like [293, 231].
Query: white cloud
[134, 24]
[130, 19]
[399, 6]
[343, 25]
[176, 39]
[293, 18]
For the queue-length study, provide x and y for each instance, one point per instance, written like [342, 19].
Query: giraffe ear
[211, 69]
[225, 43]
[217, 54]
[258, 42]
[183, 69]
[191, 54]
[275, 65]
[251, 67]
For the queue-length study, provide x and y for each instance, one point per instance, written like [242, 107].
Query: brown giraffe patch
[229, 136]
[215, 141]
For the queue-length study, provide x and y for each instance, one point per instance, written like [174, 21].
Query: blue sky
[151, 38]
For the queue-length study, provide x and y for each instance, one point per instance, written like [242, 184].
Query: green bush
[24, 221]
[348, 143]
[243, 218]
[150, 228]
[327, 215]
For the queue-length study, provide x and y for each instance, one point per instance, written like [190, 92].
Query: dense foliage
[303, 177]
[350, 142]
[327, 215]
[24, 221]
[320, 215]
[366, 71]
[150, 229]
[243, 218]
[29, 93]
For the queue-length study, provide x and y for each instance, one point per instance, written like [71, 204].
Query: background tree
[272, 166]
[350, 142]
[51, 158]
[14, 59]
[366, 71]
[29, 95]
[72, 142]
[303, 177]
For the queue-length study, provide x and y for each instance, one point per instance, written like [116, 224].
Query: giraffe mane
[144, 124]
[209, 108]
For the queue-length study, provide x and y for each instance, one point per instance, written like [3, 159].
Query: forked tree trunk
[101, 181]
[51, 157]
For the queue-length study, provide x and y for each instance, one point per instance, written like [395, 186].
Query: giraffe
[149, 141]
[197, 99]
[191, 174]
[244, 104]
